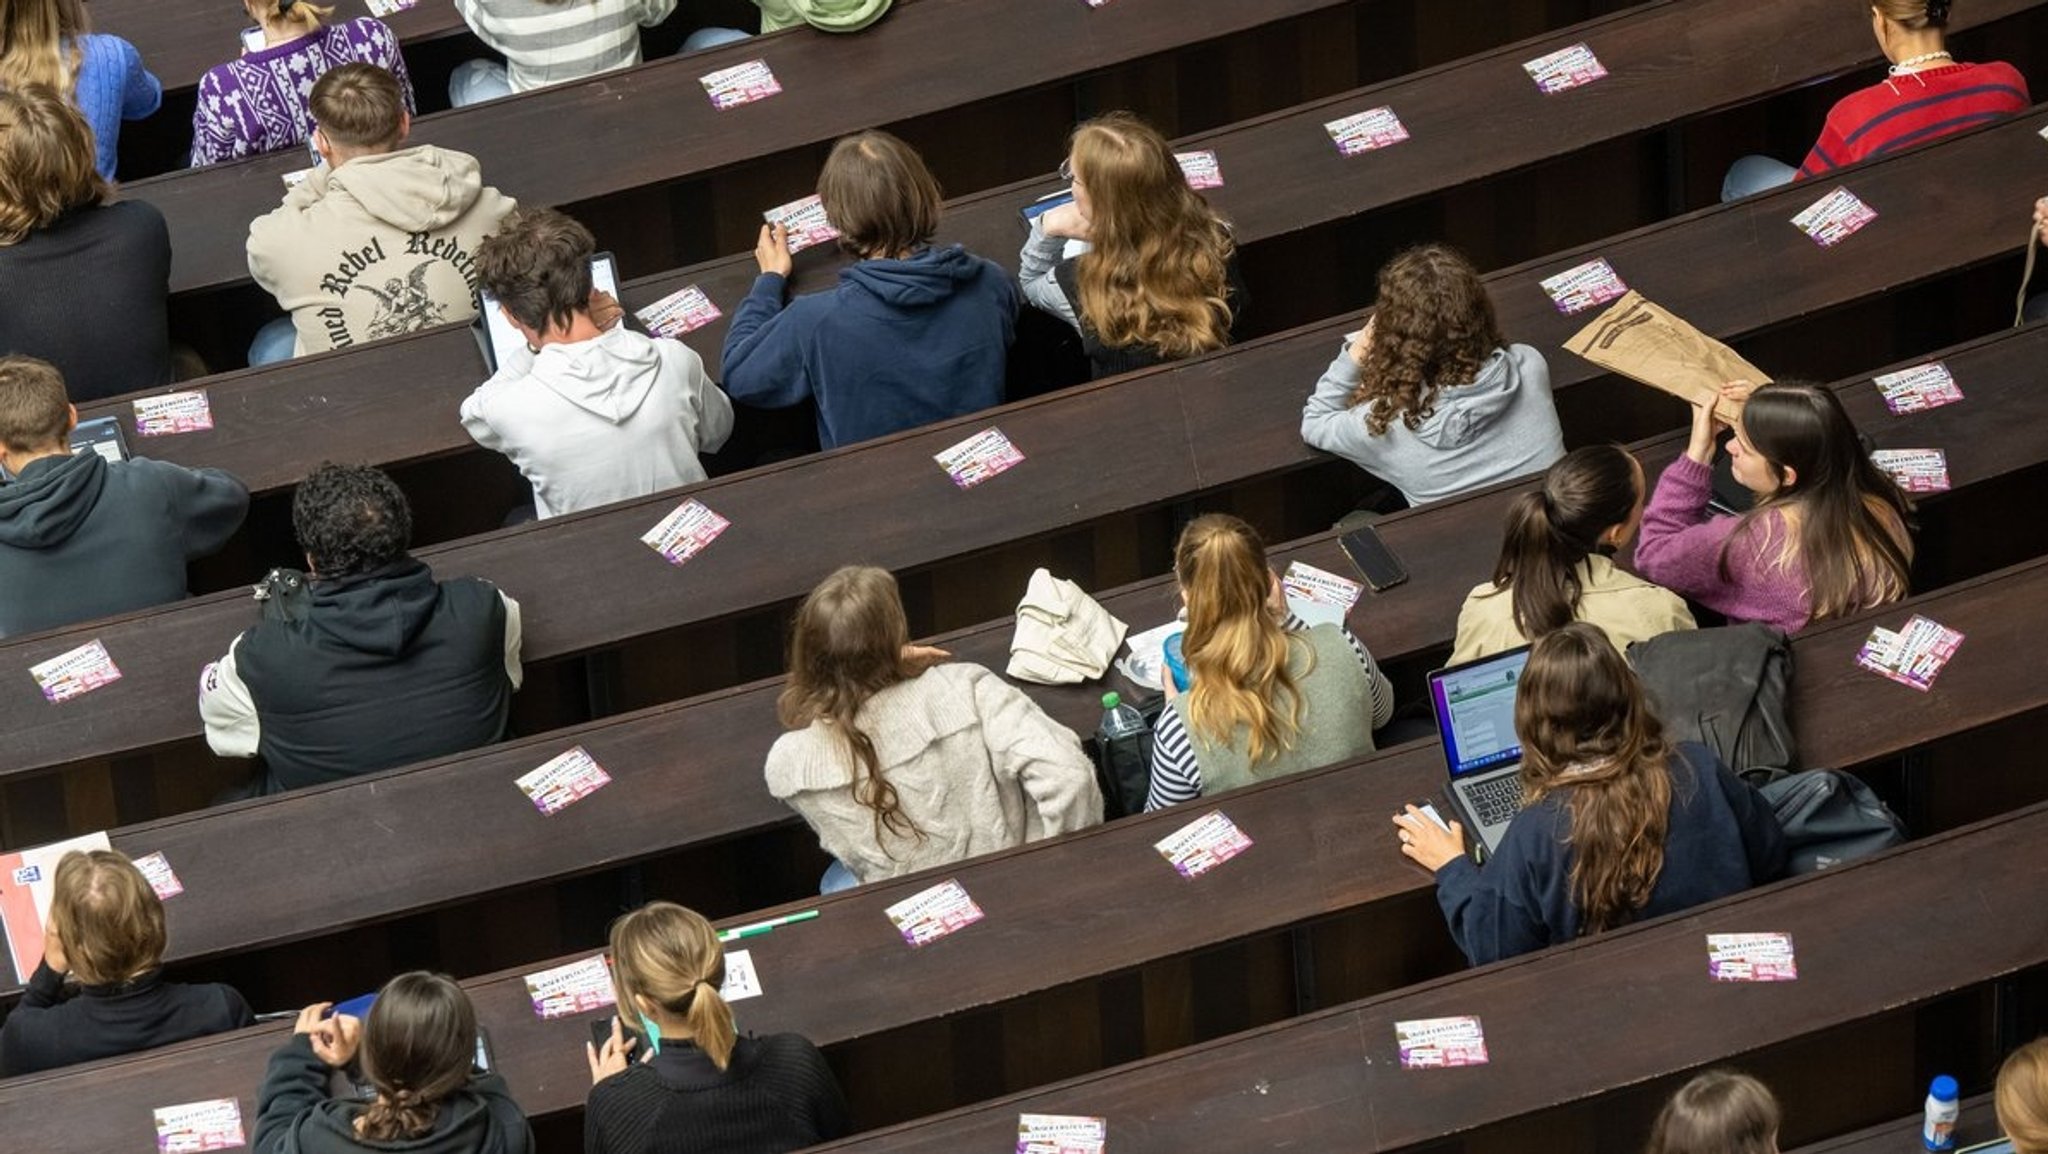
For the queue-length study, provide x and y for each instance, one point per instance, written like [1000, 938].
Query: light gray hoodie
[619, 416]
[1500, 425]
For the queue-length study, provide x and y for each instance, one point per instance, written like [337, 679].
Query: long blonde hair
[1236, 651]
[2022, 1097]
[670, 957]
[39, 43]
[845, 646]
[1157, 272]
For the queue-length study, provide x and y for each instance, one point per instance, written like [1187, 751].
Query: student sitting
[417, 1048]
[900, 760]
[82, 538]
[257, 103]
[1428, 396]
[1928, 94]
[589, 410]
[548, 42]
[364, 662]
[912, 334]
[1557, 562]
[1616, 824]
[2021, 1098]
[1828, 534]
[106, 931]
[1718, 1112]
[377, 241]
[83, 283]
[702, 1085]
[1156, 278]
[1268, 695]
[824, 15]
[50, 42]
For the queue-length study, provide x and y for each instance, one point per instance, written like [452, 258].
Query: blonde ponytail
[710, 1019]
[1236, 651]
[669, 957]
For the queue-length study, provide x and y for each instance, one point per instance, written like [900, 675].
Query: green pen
[759, 928]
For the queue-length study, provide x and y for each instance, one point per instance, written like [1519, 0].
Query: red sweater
[1906, 110]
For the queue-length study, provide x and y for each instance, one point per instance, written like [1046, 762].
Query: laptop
[100, 435]
[1475, 717]
[496, 334]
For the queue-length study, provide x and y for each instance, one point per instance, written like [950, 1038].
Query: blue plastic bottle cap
[1112, 700]
[1944, 1089]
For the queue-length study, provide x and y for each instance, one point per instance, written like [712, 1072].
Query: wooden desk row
[689, 773]
[1064, 911]
[1102, 449]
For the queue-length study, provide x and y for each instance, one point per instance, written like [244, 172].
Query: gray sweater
[1499, 425]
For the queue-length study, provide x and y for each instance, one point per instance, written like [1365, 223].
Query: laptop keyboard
[1495, 800]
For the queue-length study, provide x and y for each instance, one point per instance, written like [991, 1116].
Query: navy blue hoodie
[81, 538]
[897, 344]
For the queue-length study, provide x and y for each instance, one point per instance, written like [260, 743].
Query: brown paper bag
[1644, 342]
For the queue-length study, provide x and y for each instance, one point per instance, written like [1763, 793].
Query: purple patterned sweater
[1680, 549]
[257, 104]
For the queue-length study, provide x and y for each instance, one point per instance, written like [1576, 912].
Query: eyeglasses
[1067, 170]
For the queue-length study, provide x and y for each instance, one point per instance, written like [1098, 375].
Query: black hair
[350, 519]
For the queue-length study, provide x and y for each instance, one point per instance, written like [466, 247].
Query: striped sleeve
[1176, 775]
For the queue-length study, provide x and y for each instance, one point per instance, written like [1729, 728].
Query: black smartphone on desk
[1375, 562]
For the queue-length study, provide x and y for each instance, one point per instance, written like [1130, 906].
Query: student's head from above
[1432, 328]
[667, 967]
[285, 20]
[1157, 272]
[537, 265]
[850, 641]
[36, 415]
[46, 161]
[2022, 1097]
[1796, 449]
[1585, 726]
[1235, 648]
[350, 519]
[358, 110]
[1590, 501]
[880, 196]
[106, 925]
[418, 1046]
[35, 42]
[1909, 28]
[1718, 1112]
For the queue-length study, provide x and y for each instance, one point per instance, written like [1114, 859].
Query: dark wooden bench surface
[663, 800]
[1039, 935]
[585, 139]
[181, 41]
[1102, 449]
[1281, 176]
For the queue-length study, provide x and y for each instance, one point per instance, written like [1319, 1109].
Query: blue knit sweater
[113, 86]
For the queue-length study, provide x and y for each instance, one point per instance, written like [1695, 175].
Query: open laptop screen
[1475, 711]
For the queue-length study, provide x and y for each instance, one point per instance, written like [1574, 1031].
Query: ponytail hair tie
[1937, 11]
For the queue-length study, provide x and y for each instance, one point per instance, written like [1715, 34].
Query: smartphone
[1045, 204]
[1428, 809]
[1377, 563]
[252, 40]
[601, 1032]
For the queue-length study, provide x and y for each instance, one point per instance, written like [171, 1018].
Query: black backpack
[1123, 767]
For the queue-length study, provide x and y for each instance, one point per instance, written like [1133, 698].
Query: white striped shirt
[549, 41]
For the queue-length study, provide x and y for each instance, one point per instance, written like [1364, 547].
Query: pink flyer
[1921, 387]
[979, 457]
[740, 84]
[1440, 1043]
[685, 310]
[1587, 286]
[1201, 169]
[564, 781]
[684, 533]
[1751, 958]
[1914, 470]
[1204, 844]
[78, 672]
[188, 412]
[1834, 217]
[158, 870]
[199, 1126]
[1565, 68]
[805, 220]
[1365, 131]
[931, 914]
[572, 989]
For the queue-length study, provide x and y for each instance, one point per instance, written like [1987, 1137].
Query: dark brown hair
[1587, 732]
[1433, 326]
[1849, 519]
[108, 920]
[358, 106]
[419, 1044]
[1718, 1112]
[880, 196]
[35, 410]
[1553, 528]
[845, 646]
[46, 161]
[537, 265]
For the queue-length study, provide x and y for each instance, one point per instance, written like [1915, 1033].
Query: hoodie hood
[921, 281]
[825, 15]
[1465, 413]
[378, 612]
[608, 376]
[50, 500]
[465, 1125]
[420, 189]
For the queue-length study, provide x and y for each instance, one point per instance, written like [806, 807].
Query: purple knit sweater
[257, 104]
[1681, 544]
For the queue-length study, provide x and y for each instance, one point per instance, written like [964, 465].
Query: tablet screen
[604, 276]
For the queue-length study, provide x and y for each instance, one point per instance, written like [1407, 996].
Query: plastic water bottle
[1119, 720]
[1939, 1131]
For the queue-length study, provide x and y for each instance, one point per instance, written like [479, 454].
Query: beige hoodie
[378, 247]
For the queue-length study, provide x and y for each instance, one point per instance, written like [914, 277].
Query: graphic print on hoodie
[618, 416]
[379, 247]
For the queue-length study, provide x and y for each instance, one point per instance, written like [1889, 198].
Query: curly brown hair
[1433, 325]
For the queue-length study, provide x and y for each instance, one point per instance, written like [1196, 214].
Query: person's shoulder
[788, 1052]
[1999, 72]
